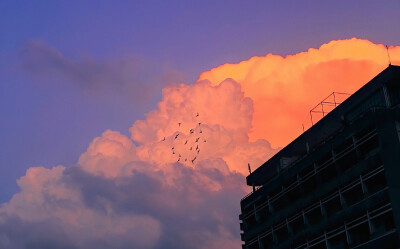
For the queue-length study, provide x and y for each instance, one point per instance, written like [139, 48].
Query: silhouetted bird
[197, 114]
[172, 148]
[163, 139]
[173, 152]
[197, 147]
[190, 148]
[191, 131]
[179, 124]
[199, 124]
[197, 139]
[201, 131]
[205, 141]
[179, 159]
[176, 136]
[185, 159]
[194, 159]
[186, 142]
[198, 151]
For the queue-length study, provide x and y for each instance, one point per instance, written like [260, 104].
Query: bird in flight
[179, 124]
[197, 114]
[176, 136]
[186, 142]
[172, 148]
[190, 148]
[201, 131]
[191, 131]
[199, 123]
[163, 139]
[179, 159]
[205, 141]
[197, 139]
[197, 147]
[198, 151]
[194, 159]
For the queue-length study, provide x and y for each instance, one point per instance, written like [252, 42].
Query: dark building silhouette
[338, 184]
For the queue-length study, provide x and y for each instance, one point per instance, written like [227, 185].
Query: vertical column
[386, 94]
[289, 228]
[317, 176]
[323, 210]
[326, 241]
[363, 187]
[274, 237]
[389, 150]
[257, 217]
[260, 243]
[370, 225]
[348, 237]
[355, 145]
[305, 219]
[342, 200]
[299, 184]
[270, 207]
[337, 166]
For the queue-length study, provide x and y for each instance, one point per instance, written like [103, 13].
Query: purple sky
[88, 89]
[50, 113]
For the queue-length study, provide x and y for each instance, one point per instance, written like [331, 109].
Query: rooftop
[366, 98]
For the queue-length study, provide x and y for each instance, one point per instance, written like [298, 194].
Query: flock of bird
[190, 144]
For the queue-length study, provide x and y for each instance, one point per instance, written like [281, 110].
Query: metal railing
[330, 101]
[321, 202]
[314, 171]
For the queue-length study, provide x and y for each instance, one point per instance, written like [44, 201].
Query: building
[338, 184]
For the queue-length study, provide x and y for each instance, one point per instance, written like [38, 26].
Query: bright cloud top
[284, 89]
[140, 192]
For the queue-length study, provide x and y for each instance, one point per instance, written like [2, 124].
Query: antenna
[387, 50]
[254, 187]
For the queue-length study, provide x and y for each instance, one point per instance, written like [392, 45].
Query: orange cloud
[108, 155]
[121, 194]
[225, 117]
[139, 191]
[284, 89]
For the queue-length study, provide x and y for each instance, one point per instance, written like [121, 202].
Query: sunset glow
[132, 124]
[240, 109]
[284, 89]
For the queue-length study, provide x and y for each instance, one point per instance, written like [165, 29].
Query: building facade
[338, 184]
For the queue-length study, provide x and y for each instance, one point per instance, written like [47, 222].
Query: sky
[94, 95]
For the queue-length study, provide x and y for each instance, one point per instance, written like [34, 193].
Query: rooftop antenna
[387, 50]
[254, 187]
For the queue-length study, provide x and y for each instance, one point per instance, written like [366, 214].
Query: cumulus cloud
[177, 180]
[151, 190]
[225, 120]
[284, 89]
